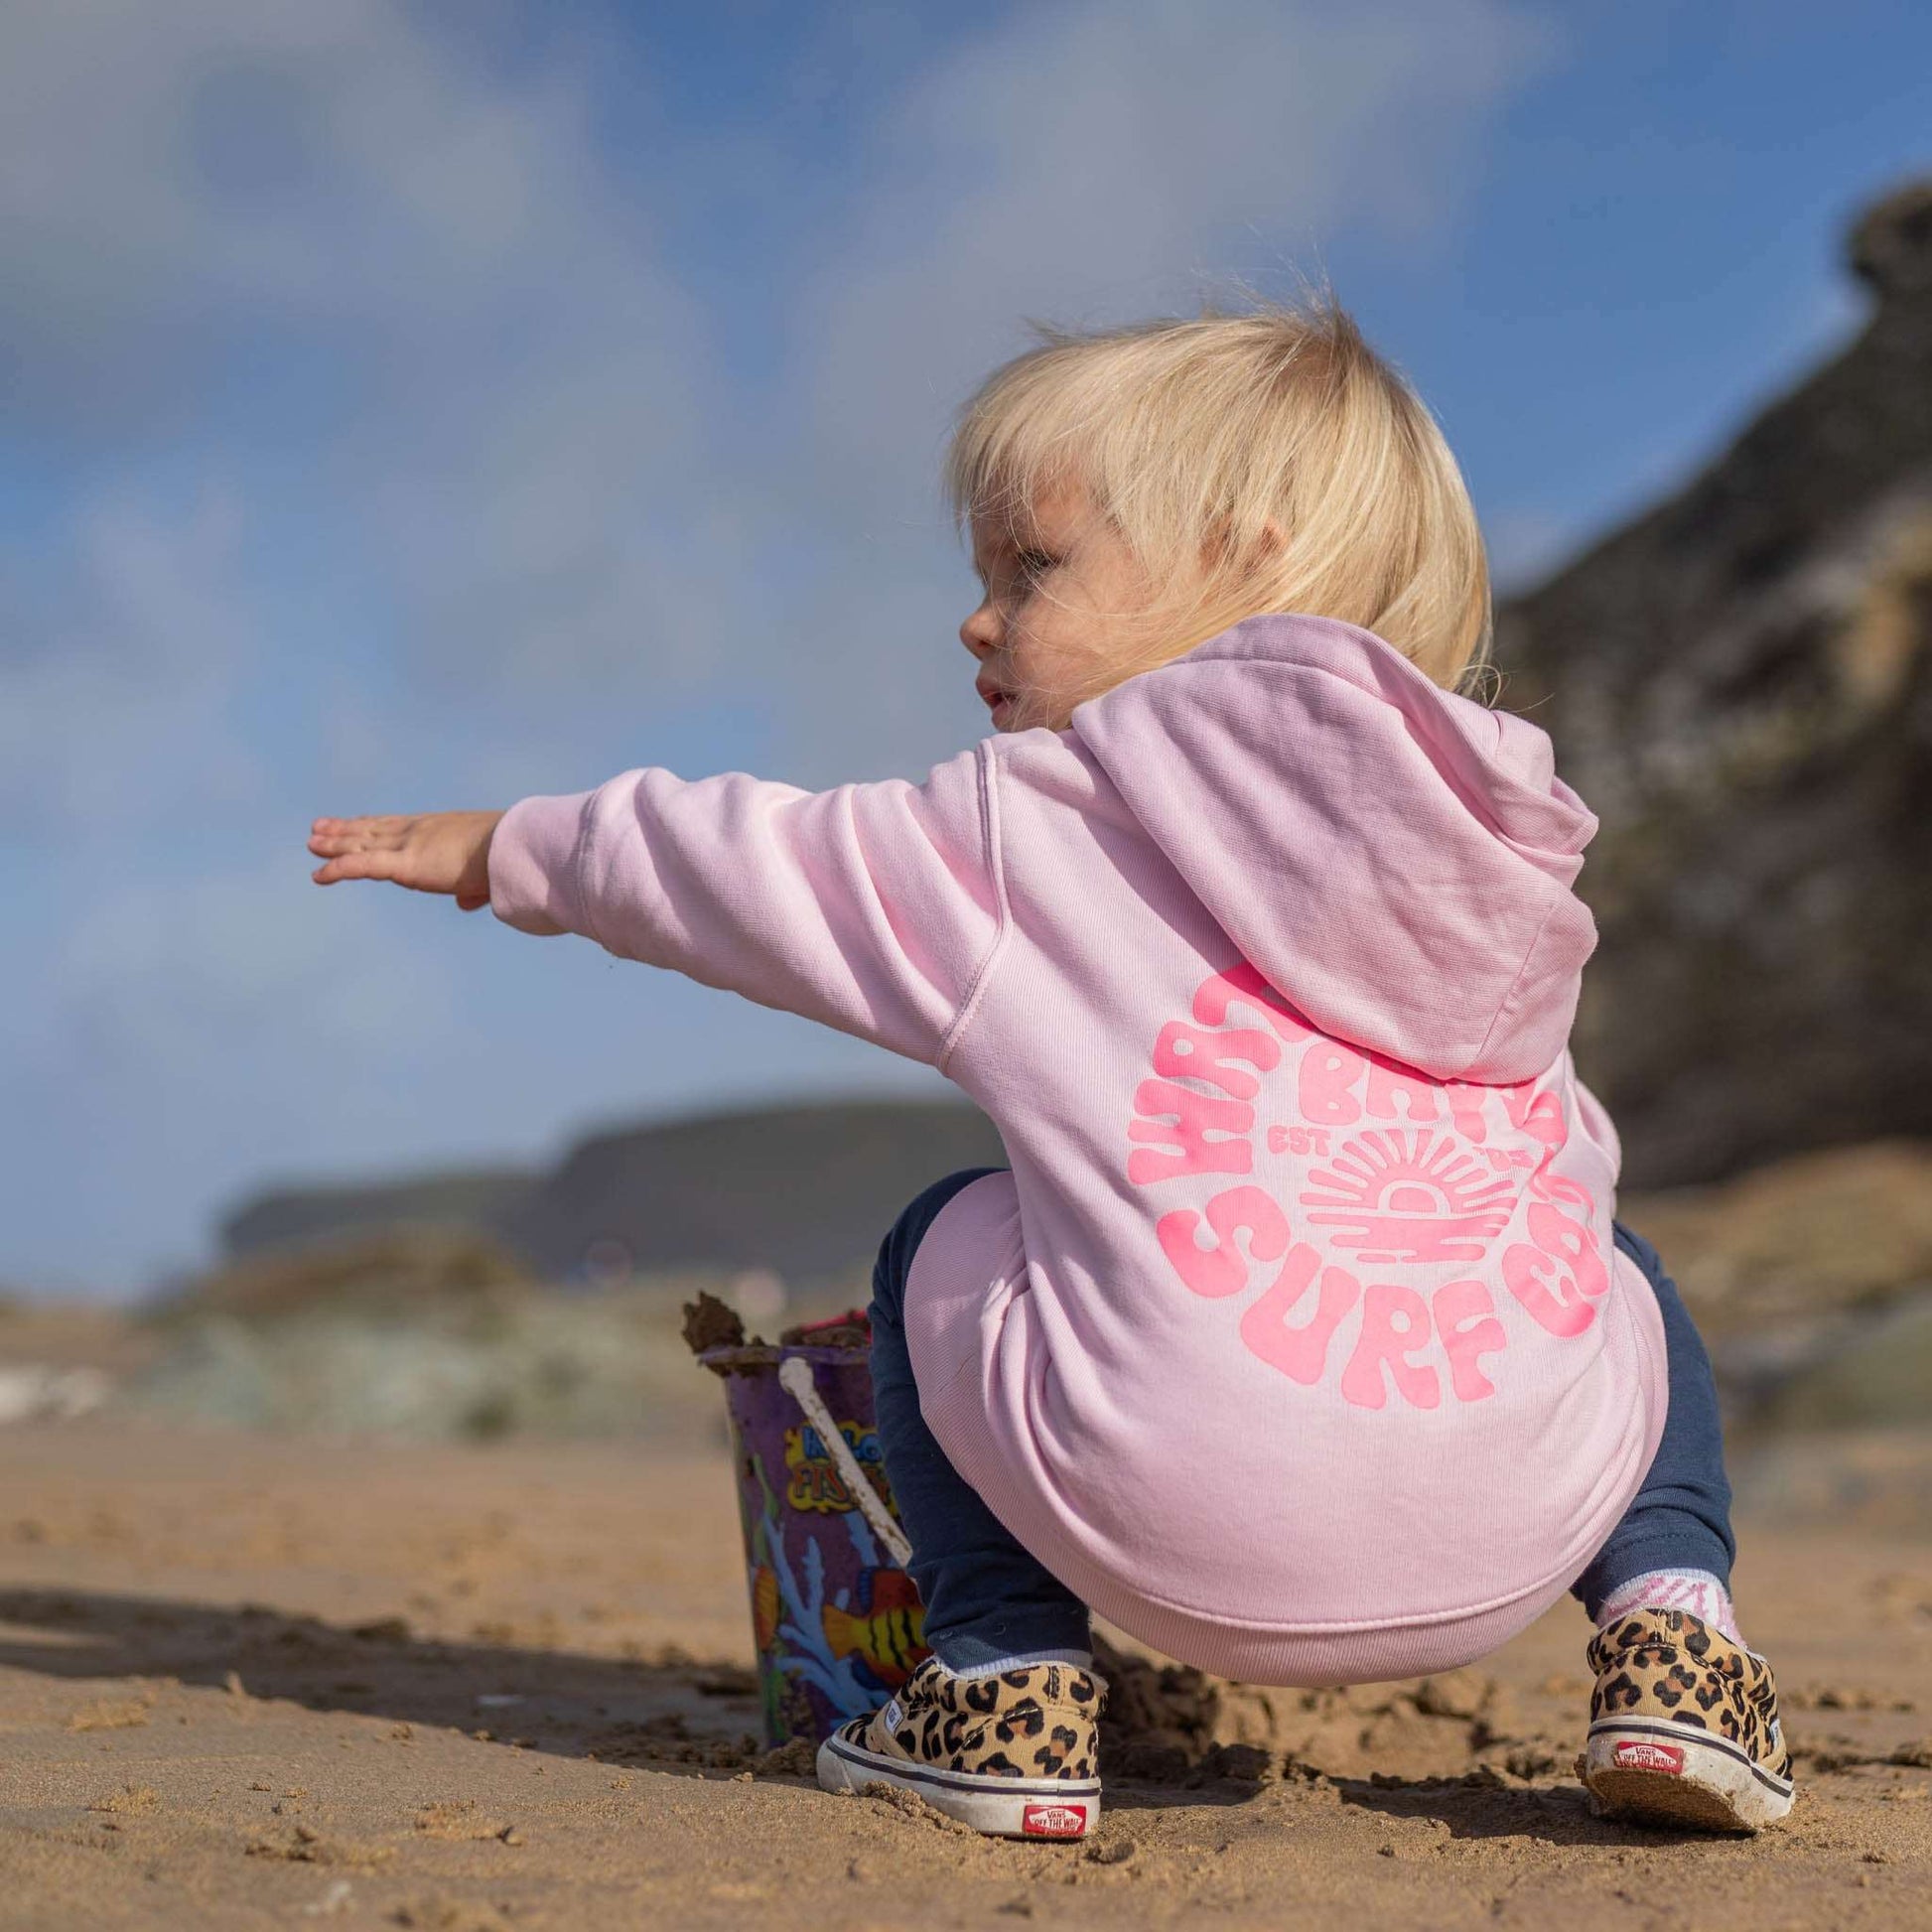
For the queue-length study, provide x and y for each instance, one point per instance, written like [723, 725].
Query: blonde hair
[1255, 461]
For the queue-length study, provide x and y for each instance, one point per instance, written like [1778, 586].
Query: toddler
[1298, 1340]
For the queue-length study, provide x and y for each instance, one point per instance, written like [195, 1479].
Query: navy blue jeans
[987, 1598]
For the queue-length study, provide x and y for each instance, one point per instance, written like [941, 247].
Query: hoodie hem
[949, 1367]
[1369, 1650]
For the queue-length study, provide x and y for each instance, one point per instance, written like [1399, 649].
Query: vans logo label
[1053, 1821]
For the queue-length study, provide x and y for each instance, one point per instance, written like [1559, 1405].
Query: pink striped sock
[1694, 1590]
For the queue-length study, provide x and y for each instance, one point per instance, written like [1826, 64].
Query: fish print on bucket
[889, 1636]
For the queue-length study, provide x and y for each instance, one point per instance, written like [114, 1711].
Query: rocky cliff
[808, 1190]
[1739, 683]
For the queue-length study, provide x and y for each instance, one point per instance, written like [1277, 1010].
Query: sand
[271, 1682]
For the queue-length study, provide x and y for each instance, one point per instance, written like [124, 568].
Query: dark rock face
[281, 1218]
[808, 1190]
[1739, 684]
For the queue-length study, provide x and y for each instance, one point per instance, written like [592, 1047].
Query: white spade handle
[795, 1377]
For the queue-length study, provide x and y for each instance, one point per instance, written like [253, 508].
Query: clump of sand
[711, 1324]
[1167, 1723]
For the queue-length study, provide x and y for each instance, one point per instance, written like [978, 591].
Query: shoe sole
[1035, 1808]
[1670, 1775]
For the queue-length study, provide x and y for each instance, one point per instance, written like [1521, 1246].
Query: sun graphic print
[1414, 1196]
[1370, 1203]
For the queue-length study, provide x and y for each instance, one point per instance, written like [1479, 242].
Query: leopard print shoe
[1683, 1726]
[1012, 1755]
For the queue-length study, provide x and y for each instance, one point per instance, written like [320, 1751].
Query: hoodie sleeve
[873, 908]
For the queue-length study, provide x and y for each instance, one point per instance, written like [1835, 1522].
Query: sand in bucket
[837, 1621]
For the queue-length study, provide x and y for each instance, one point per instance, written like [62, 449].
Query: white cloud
[336, 195]
[1086, 163]
[340, 163]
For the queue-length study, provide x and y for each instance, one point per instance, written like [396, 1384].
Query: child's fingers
[386, 822]
[374, 856]
[358, 835]
[359, 865]
[427, 854]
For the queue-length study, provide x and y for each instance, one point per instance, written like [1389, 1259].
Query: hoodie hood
[1395, 859]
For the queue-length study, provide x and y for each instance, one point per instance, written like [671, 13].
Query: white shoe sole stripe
[900, 1767]
[1689, 1735]
[1673, 1775]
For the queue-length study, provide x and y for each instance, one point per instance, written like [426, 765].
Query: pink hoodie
[1296, 1342]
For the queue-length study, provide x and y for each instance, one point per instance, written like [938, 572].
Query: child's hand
[438, 852]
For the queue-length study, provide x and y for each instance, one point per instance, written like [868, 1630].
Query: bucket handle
[795, 1376]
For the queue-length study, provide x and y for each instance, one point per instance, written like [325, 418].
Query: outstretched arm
[875, 909]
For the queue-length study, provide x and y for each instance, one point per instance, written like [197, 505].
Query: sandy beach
[250, 1681]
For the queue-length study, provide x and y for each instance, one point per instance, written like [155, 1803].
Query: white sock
[1021, 1660]
[1694, 1590]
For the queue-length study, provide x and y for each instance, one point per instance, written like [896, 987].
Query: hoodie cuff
[534, 854]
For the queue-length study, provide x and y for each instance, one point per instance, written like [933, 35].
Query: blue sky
[422, 407]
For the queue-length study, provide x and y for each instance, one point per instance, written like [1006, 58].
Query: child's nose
[980, 633]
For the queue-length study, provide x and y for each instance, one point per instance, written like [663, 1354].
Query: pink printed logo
[1642, 1757]
[1418, 1197]
[1053, 1821]
[1394, 1170]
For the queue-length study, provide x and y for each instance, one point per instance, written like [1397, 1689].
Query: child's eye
[1035, 563]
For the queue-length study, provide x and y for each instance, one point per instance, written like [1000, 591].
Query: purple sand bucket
[838, 1623]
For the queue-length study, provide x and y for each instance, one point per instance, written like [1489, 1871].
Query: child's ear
[1269, 544]
[1221, 547]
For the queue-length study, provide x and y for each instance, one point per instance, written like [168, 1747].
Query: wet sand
[273, 1682]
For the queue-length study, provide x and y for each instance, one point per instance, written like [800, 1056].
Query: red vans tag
[1650, 1757]
[1053, 1821]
